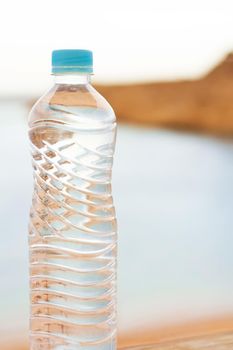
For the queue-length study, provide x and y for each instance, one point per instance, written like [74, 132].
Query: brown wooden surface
[216, 331]
[196, 328]
[219, 341]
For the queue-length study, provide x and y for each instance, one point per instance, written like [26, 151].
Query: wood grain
[193, 335]
[219, 341]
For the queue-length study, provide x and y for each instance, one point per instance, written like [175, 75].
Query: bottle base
[40, 343]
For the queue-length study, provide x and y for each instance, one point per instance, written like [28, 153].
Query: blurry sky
[132, 40]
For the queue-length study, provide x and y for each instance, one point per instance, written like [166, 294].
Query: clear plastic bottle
[72, 230]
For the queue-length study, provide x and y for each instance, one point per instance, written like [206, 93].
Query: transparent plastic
[72, 230]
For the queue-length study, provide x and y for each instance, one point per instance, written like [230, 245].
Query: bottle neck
[75, 79]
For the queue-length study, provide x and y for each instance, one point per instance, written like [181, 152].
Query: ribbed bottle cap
[72, 61]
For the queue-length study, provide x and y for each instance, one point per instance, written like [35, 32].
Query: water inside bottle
[72, 235]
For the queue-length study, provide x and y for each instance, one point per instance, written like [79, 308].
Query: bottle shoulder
[72, 104]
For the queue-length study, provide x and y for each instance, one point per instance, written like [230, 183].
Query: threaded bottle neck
[72, 79]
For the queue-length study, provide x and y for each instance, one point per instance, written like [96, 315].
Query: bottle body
[72, 231]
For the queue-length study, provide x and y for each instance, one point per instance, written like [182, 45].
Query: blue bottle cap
[72, 61]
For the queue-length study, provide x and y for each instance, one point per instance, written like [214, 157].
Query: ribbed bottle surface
[72, 236]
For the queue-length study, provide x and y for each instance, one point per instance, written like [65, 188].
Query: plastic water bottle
[72, 231]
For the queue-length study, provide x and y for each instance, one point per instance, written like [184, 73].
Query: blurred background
[167, 69]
